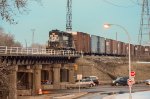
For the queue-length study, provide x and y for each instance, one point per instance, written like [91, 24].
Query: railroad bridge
[35, 68]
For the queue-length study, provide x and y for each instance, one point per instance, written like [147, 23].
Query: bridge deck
[19, 55]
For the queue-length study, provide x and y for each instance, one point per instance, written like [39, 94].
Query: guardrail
[36, 51]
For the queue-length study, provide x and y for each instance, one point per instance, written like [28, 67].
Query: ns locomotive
[60, 40]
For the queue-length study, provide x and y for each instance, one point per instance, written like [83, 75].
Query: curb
[70, 96]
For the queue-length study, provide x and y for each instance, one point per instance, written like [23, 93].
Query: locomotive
[60, 40]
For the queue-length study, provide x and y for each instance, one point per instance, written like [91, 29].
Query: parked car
[88, 82]
[120, 81]
[147, 82]
[93, 78]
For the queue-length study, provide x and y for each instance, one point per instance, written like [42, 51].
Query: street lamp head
[107, 26]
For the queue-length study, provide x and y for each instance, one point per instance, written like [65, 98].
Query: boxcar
[82, 41]
[137, 50]
[120, 48]
[114, 47]
[108, 44]
[146, 50]
[94, 44]
[124, 51]
[131, 49]
[97, 45]
[101, 44]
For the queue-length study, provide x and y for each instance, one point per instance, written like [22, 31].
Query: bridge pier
[50, 75]
[37, 79]
[71, 73]
[56, 76]
[13, 83]
[30, 81]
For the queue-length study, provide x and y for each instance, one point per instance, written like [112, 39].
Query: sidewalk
[55, 96]
[136, 95]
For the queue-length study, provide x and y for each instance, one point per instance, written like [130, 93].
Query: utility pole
[69, 16]
[33, 30]
[26, 43]
[144, 23]
[116, 36]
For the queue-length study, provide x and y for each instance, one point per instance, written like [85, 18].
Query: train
[93, 44]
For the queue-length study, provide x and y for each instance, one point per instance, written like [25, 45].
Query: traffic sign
[132, 73]
[130, 82]
[79, 76]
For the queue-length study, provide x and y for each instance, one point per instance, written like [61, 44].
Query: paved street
[97, 92]
[102, 91]
[108, 89]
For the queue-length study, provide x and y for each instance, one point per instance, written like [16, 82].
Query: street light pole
[108, 26]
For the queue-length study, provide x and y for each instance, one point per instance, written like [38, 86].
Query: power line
[114, 4]
[137, 2]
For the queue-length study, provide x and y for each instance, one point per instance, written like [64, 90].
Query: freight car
[108, 43]
[146, 50]
[138, 49]
[115, 48]
[120, 48]
[60, 40]
[97, 45]
[132, 47]
[82, 42]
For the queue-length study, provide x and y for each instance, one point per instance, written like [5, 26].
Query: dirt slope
[108, 68]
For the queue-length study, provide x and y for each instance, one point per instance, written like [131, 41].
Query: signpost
[79, 77]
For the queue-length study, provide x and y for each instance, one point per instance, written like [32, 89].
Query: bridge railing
[35, 51]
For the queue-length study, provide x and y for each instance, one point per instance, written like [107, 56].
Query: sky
[87, 16]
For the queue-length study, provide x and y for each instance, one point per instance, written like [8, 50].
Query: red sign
[132, 73]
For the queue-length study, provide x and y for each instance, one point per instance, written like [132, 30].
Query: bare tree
[7, 39]
[37, 45]
[9, 8]
[4, 82]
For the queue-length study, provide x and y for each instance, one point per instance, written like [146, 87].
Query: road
[136, 95]
[100, 91]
